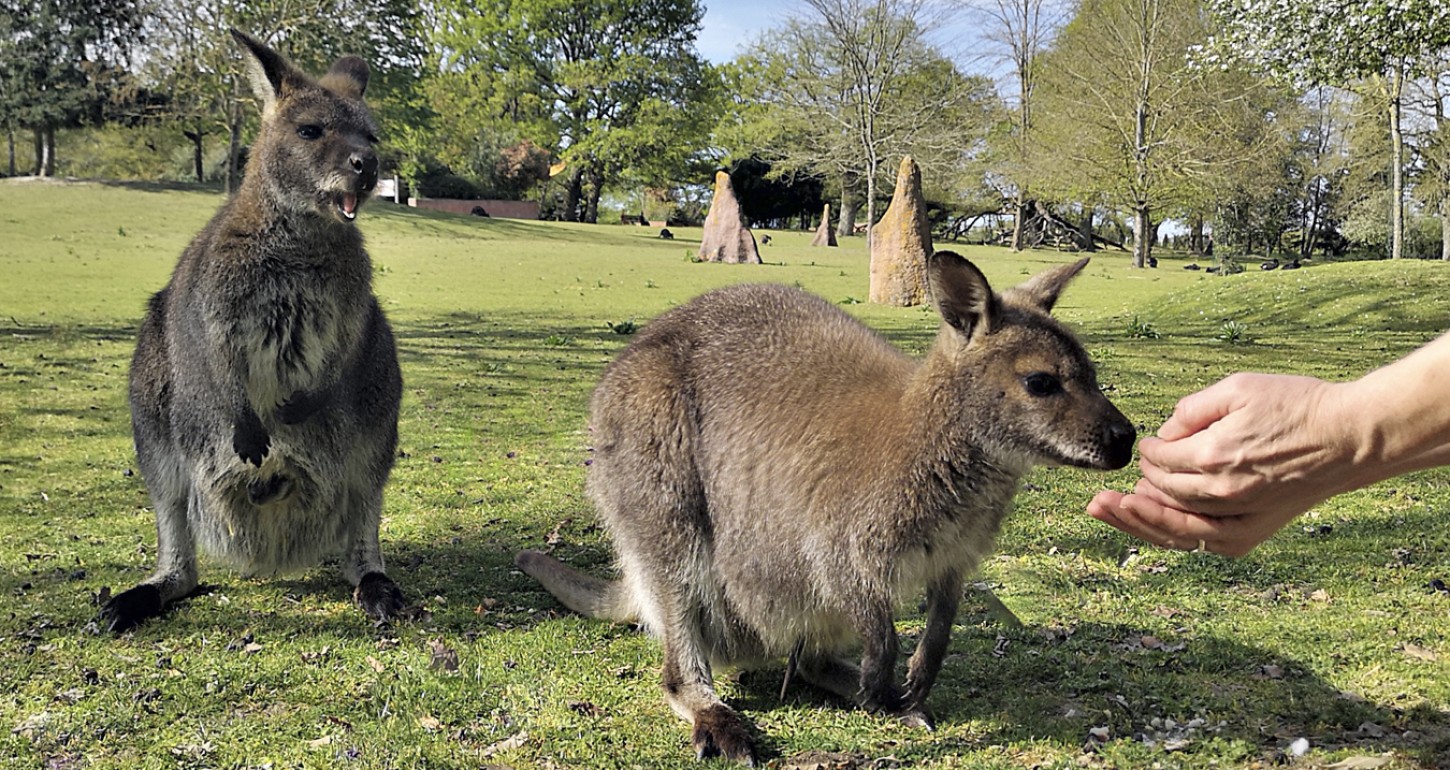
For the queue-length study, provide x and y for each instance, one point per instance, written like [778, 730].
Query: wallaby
[265, 385]
[776, 478]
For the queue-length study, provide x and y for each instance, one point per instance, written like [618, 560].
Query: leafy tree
[1125, 113]
[59, 60]
[194, 60]
[614, 87]
[1338, 43]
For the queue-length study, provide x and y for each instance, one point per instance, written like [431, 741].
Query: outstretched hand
[1236, 462]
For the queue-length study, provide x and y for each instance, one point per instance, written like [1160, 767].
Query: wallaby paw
[380, 597]
[251, 444]
[269, 490]
[131, 608]
[721, 732]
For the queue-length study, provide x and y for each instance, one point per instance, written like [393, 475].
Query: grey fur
[265, 384]
[776, 479]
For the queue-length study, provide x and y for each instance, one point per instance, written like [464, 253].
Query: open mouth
[345, 203]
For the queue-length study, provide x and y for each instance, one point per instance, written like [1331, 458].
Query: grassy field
[1331, 632]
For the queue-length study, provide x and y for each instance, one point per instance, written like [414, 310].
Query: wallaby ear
[270, 73]
[1044, 288]
[963, 297]
[348, 77]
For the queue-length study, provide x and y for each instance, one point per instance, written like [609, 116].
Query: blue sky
[729, 24]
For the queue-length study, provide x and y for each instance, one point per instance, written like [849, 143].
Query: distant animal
[765, 240]
[666, 234]
[1291, 265]
[777, 478]
[265, 385]
[1152, 261]
[478, 211]
[1269, 264]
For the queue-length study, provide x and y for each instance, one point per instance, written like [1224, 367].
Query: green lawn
[1126, 658]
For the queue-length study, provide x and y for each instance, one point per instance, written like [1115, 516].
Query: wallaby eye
[309, 131]
[1041, 384]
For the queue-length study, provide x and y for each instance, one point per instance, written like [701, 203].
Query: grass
[1127, 657]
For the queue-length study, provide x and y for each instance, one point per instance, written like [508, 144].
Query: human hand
[1236, 462]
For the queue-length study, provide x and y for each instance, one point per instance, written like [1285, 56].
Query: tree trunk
[850, 205]
[50, 151]
[1445, 228]
[1085, 229]
[1195, 235]
[591, 200]
[1397, 170]
[10, 141]
[573, 191]
[870, 202]
[1143, 241]
[1019, 216]
[198, 163]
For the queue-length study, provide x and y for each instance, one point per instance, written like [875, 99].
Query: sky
[730, 24]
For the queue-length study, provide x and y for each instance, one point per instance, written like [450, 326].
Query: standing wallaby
[776, 478]
[265, 385]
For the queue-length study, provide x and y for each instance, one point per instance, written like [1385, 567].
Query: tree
[1021, 30]
[193, 59]
[59, 60]
[1126, 114]
[1337, 43]
[614, 87]
[1429, 101]
[849, 89]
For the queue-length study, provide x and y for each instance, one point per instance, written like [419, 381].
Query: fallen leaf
[1360, 763]
[554, 537]
[442, 656]
[429, 723]
[325, 740]
[1151, 642]
[376, 664]
[1419, 653]
[1271, 671]
[507, 744]
[33, 725]
[1319, 595]
[252, 649]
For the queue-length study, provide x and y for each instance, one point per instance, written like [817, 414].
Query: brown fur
[776, 478]
[265, 384]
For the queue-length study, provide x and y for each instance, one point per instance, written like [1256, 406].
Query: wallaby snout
[366, 165]
[1117, 439]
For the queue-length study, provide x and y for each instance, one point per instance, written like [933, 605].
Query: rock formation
[825, 236]
[726, 238]
[900, 243]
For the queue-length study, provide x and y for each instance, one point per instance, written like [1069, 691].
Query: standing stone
[726, 237]
[825, 236]
[901, 242]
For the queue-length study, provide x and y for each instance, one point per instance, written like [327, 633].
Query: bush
[446, 185]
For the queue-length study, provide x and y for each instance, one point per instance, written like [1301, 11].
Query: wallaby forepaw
[380, 597]
[721, 732]
[131, 608]
[251, 444]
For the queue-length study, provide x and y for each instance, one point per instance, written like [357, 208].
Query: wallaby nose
[1118, 438]
[365, 164]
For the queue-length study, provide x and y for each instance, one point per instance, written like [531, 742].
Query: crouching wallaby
[776, 478]
[265, 384]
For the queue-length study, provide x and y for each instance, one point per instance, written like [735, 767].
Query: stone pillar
[901, 242]
[726, 238]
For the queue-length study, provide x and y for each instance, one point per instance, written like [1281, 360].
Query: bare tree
[853, 85]
[1017, 32]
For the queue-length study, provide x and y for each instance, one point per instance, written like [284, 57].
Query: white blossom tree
[1337, 42]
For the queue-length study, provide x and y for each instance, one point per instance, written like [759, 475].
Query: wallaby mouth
[345, 203]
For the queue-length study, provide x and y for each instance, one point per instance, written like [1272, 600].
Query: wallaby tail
[584, 594]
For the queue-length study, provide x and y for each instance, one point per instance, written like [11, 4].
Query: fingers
[1195, 412]
[1142, 516]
